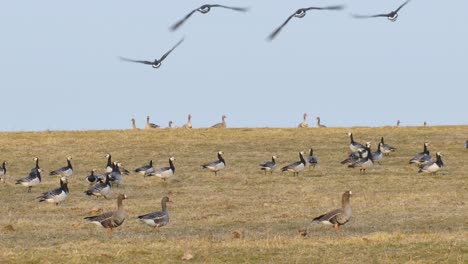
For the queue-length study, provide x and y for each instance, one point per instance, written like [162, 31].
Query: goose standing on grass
[57, 195]
[355, 156]
[318, 123]
[189, 122]
[66, 171]
[93, 178]
[378, 155]
[109, 163]
[111, 219]
[363, 163]
[353, 145]
[142, 170]
[312, 160]
[432, 167]
[386, 149]
[303, 124]
[422, 157]
[337, 217]
[392, 16]
[116, 175]
[165, 172]
[296, 167]
[101, 188]
[33, 179]
[150, 125]
[269, 165]
[222, 124]
[134, 127]
[158, 218]
[122, 169]
[3, 171]
[216, 165]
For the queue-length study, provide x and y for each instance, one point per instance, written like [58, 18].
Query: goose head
[204, 9]
[69, 158]
[172, 159]
[300, 13]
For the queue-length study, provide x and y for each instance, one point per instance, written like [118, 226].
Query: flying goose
[392, 16]
[165, 172]
[216, 165]
[3, 171]
[354, 146]
[157, 62]
[158, 218]
[318, 123]
[220, 125]
[144, 168]
[337, 217]
[150, 125]
[111, 219]
[134, 127]
[422, 157]
[296, 167]
[312, 160]
[33, 179]
[269, 165]
[300, 13]
[101, 188]
[189, 122]
[204, 9]
[378, 155]
[109, 163]
[431, 166]
[57, 195]
[66, 171]
[386, 149]
[303, 124]
[363, 163]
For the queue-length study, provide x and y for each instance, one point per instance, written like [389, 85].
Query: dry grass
[241, 215]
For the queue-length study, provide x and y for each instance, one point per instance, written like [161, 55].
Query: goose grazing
[337, 217]
[115, 175]
[57, 195]
[157, 62]
[142, 170]
[355, 156]
[422, 157]
[319, 125]
[312, 160]
[216, 165]
[150, 125]
[93, 178]
[134, 127]
[111, 219]
[101, 188]
[392, 16]
[3, 171]
[269, 165]
[109, 163]
[204, 9]
[386, 149]
[158, 218]
[363, 163]
[165, 172]
[222, 124]
[296, 167]
[33, 179]
[354, 146]
[66, 171]
[431, 166]
[300, 13]
[189, 122]
[303, 124]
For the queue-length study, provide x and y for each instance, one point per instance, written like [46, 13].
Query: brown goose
[303, 124]
[134, 127]
[222, 124]
[111, 219]
[189, 122]
[319, 125]
[337, 217]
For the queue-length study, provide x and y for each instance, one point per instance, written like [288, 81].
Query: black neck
[220, 157]
[302, 158]
[311, 152]
[3, 166]
[64, 186]
[352, 139]
[109, 161]
[37, 163]
[171, 164]
[69, 164]
[382, 140]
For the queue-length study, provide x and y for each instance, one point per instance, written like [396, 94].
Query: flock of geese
[300, 13]
[360, 157]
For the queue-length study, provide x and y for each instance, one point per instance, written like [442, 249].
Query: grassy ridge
[399, 215]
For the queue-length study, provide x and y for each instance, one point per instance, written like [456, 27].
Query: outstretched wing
[240, 9]
[337, 7]
[277, 31]
[137, 61]
[182, 21]
[369, 16]
[173, 48]
[400, 7]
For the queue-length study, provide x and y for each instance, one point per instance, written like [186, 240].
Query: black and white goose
[158, 218]
[3, 171]
[165, 172]
[392, 16]
[337, 217]
[300, 13]
[216, 165]
[66, 171]
[150, 125]
[57, 195]
[378, 155]
[296, 167]
[363, 163]
[204, 9]
[109, 163]
[269, 165]
[116, 175]
[312, 160]
[353, 145]
[122, 169]
[93, 178]
[157, 62]
[33, 179]
[319, 125]
[422, 157]
[111, 219]
[432, 167]
[101, 188]
[142, 170]
[386, 149]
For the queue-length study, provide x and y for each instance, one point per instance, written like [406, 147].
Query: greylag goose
[432, 167]
[319, 125]
[66, 171]
[158, 218]
[101, 188]
[142, 170]
[150, 125]
[156, 63]
[165, 172]
[353, 145]
[303, 124]
[189, 122]
[216, 165]
[111, 219]
[422, 157]
[363, 163]
[222, 124]
[392, 16]
[337, 217]
[386, 149]
[134, 127]
[296, 167]
[3, 171]
[204, 9]
[33, 179]
[312, 160]
[57, 195]
[269, 165]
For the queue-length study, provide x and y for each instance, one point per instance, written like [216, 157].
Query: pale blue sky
[60, 69]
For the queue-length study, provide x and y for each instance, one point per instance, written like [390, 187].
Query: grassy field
[240, 215]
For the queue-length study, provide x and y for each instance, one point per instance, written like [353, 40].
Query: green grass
[400, 216]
